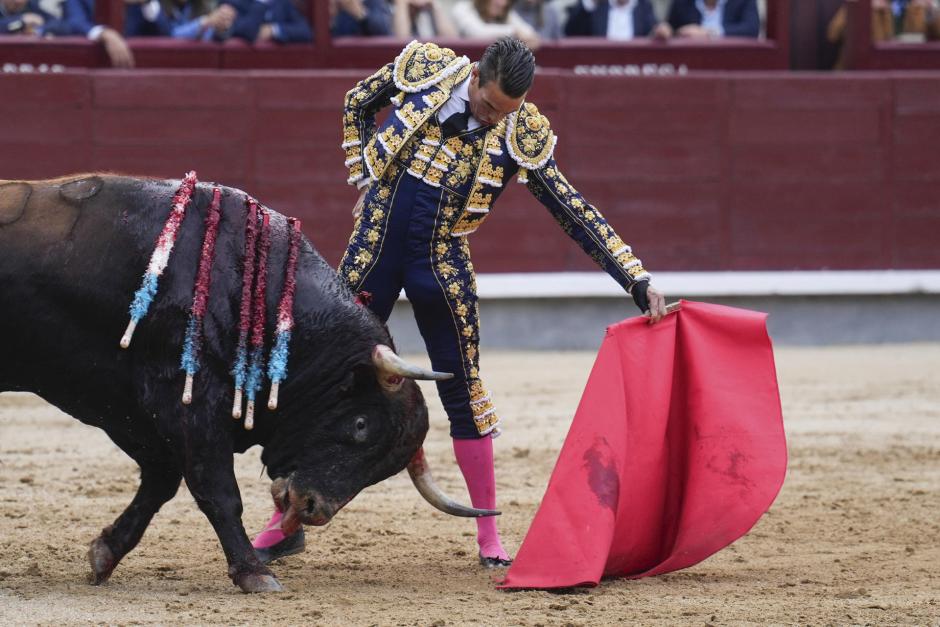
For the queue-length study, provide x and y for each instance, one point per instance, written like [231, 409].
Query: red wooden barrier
[740, 171]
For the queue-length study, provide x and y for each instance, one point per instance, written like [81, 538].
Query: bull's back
[70, 250]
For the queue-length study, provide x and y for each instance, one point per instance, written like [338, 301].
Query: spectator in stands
[614, 19]
[422, 20]
[80, 16]
[707, 19]
[267, 20]
[181, 19]
[889, 17]
[542, 15]
[26, 17]
[920, 18]
[369, 18]
[492, 19]
[882, 27]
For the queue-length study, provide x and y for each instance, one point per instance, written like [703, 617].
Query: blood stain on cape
[602, 474]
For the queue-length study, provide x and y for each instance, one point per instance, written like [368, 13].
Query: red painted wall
[737, 171]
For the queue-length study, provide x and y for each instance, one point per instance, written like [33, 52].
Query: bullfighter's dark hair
[510, 62]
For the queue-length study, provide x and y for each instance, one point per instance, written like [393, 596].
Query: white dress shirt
[619, 18]
[456, 104]
[712, 19]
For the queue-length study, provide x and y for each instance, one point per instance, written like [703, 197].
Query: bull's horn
[386, 360]
[424, 482]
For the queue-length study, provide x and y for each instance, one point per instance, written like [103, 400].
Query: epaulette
[529, 137]
[420, 66]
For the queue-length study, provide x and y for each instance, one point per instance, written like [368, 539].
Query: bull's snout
[304, 507]
[279, 488]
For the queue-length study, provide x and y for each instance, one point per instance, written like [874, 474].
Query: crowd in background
[533, 21]
[284, 21]
[907, 20]
[279, 21]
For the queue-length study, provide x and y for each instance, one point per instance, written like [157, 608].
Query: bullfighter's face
[488, 103]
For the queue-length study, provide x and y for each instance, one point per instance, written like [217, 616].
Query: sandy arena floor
[852, 538]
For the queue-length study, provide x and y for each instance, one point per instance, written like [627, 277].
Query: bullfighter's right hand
[357, 210]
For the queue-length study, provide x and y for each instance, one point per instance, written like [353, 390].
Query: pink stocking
[272, 533]
[475, 458]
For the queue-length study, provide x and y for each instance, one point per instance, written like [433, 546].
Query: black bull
[72, 253]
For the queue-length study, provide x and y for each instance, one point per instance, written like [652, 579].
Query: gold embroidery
[391, 140]
[446, 270]
[610, 252]
[484, 413]
[407, 114]
[530, 138]
[365, 90]
[366, 238]
[433, 177]
[490, 174]
[479, 200]
[625, 258]
[420, 66]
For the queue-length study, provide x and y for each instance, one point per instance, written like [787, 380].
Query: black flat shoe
[291, 545]
[494, 562]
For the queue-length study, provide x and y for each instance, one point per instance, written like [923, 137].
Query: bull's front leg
[212, 483]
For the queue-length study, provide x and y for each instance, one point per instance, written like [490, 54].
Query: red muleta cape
[675, 452]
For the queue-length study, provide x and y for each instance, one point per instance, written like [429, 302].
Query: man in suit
[705, 19]
[428, 176]
[27, 18]
[180, 19]
[268, 20]
[360, 18]
[80, 16]
[613, 19]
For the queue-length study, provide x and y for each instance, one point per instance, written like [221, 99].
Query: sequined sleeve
[585, 225]
[362, 103]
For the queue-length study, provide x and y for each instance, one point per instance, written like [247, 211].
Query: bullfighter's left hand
[650, 300]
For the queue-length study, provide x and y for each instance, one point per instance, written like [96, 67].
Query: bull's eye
[361, 431]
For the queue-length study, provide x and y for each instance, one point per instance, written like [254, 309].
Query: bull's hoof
[102, 561]
[255, 582]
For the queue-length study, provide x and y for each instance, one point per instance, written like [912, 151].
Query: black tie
[456, 123]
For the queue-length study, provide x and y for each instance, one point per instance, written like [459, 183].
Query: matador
[429, 175]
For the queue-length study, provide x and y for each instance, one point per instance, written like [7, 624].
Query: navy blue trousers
[398, 243]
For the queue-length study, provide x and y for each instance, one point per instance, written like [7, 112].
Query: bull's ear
[349, 383]
[356, 378]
